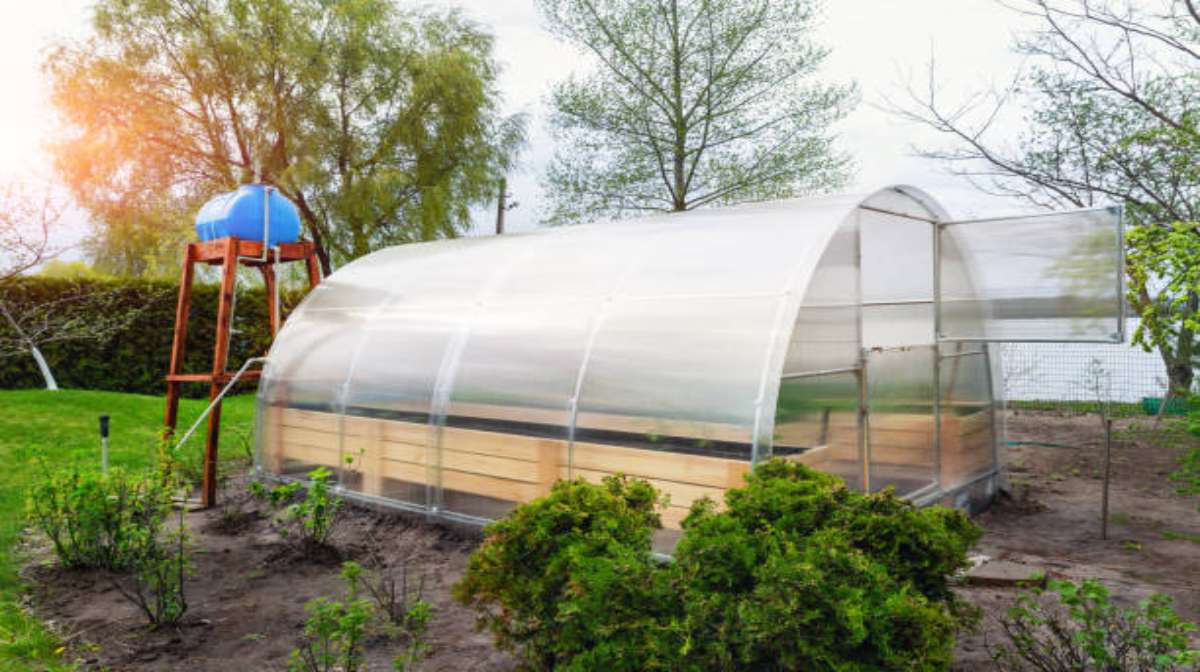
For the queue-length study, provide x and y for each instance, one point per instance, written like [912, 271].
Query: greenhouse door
[1057, 277]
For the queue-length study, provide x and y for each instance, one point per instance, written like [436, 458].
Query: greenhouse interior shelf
[851, 333]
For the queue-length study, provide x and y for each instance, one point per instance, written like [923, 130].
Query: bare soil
[249, 590]
[1051, 518]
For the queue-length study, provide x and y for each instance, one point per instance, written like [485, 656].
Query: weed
[1181, 536]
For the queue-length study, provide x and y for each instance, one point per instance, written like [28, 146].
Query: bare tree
[1108, 99]
[30, 321]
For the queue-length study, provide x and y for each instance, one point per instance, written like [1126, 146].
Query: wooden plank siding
[502, 466]
[519, 468]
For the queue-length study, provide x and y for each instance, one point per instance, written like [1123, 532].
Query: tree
[693, 102]
[381, 124]
[1110, 103]
[27, 220]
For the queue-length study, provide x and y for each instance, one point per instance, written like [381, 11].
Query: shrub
[1076, 628]
[546, 579]
[308, 520]
[336, 629]
[136, 359]
[159, 568]
[96, 520]
[333, 636]
[400, 614]
[797, 572]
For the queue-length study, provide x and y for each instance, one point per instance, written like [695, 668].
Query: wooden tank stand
[227, 253]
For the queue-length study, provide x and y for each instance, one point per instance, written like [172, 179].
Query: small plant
[335, 630]
[159, 568]
[398, 604]
[1074, 627]
[94, 520]
[333, 636]
[310, 520]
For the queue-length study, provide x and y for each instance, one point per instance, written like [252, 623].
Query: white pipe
[216, 401]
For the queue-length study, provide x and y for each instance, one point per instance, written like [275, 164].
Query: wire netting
[1080, 375]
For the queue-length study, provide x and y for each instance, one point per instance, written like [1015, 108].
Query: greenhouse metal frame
[464, 377]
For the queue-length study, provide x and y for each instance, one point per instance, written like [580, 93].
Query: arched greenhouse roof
[679, 318]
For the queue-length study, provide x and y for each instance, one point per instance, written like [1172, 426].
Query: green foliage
[800, 570]
[382, 123]
[61, 426]
[336, 629]
[399, 614]
[1082, 630]
[797, 572]
[135, 359]
[94, 520]
[333, 636]
[1164, 258]
[158, 570]
[691, 104]
[114, 521]
[531, 579]
[307, 520]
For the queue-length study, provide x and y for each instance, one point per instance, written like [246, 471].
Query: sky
[880, 44]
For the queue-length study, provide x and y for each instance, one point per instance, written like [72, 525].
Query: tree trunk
[310, 219]
[47, 376]
[43, 367]
[1180, 371]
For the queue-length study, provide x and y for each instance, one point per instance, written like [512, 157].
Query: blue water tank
[240, 213]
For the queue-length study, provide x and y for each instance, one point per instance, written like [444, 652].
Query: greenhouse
[851, 333]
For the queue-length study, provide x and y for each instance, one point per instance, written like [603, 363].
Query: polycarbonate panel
[680, 373]
[306, 375]
[897, 279]
[897, 258]
[901, 391]
[516, 376]
[1054, 277]
[388, 402]
[816, 423]
[825, 335]
[968, 420]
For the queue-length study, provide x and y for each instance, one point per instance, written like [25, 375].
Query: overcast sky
[877, 43]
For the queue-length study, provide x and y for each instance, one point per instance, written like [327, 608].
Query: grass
[63, 428]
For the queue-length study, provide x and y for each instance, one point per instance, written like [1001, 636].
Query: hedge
[136, 359]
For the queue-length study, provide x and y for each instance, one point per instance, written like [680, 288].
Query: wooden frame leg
[208, 492]
[179, 342]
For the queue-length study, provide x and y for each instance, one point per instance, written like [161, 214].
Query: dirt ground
[1052, 519]
[248, 593]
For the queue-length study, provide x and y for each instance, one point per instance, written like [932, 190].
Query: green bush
[545, 577]
[159, 567]
[797, 573]
[96, 520]
[136, 359]
[1076, 628]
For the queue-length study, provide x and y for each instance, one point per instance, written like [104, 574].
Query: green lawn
[63, 428]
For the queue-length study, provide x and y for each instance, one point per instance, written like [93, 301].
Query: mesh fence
[1081, 373]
